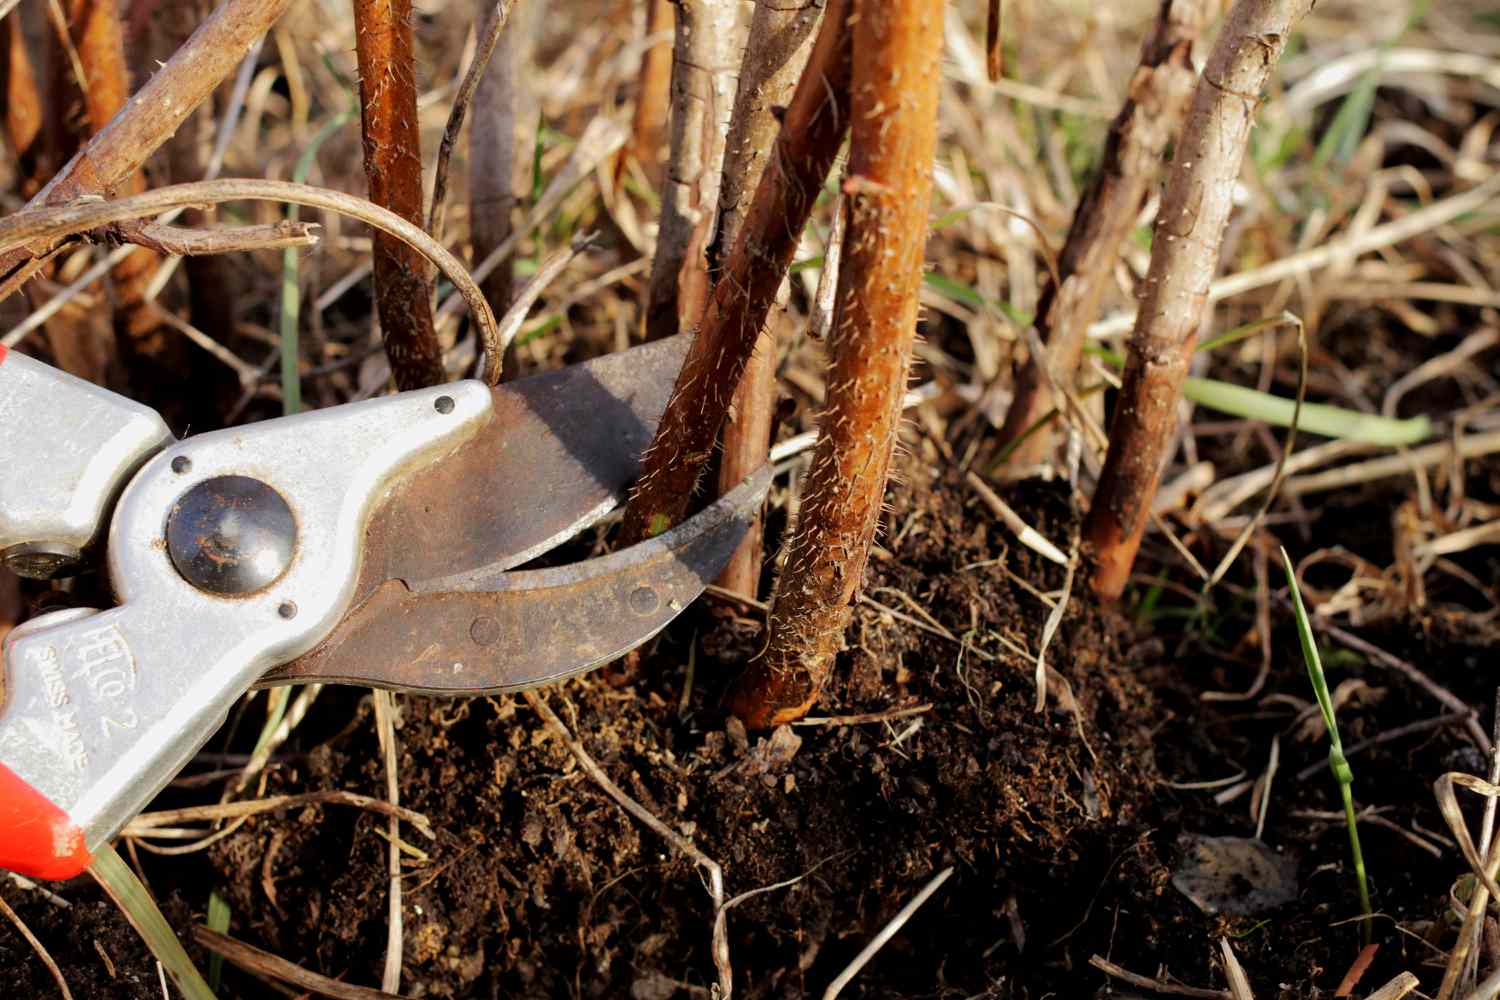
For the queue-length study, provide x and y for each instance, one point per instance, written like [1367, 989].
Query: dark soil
[1061, 826]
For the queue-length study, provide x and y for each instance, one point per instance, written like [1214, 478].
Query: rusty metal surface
[561, 451]
[528, 627]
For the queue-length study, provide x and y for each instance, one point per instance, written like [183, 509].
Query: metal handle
[70, 447]
[230, 553]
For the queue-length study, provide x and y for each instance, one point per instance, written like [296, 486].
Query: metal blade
[561, 451]
[528, 627]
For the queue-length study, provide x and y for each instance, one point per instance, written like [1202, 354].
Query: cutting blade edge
[529, 627]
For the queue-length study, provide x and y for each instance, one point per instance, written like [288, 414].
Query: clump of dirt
[539, 885]
[1061, 826]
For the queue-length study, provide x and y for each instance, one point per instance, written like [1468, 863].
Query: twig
[812, 130]
[687, 847]
[1114, 971]
[156, 111]
[37, 946]
[703, 29]
[1387, 735]
[198, 242]
[263, 963]
[886, 933]
[497, 104]
[50, 223]
[1416, 676]
[890, 715]
[488, 39]
[1158, 93]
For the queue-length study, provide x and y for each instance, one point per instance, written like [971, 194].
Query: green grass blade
[1337, 762]
[291, 290]
[218, 920]
[116, 878]
[1317, 418]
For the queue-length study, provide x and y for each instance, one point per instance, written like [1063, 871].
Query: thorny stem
[151, 116]
[1184, 256]
[393, 170]
[1157, 95]
[812, 130]
[780, 39]
[891, 146]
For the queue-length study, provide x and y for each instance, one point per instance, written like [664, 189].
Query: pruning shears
[371, 543]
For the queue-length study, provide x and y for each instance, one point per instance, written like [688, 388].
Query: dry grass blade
[555, 264]
[143, 824]
[1484, 869]
[1114, 971]
[31, 939]
[1239, 983]
[385, 728]
[688, 848]
[886, 933]
[1396, 988]
[264, 963]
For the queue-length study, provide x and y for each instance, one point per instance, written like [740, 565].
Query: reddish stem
[897, 44]
[393, 170]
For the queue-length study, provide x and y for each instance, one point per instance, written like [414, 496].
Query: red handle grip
[36, 837]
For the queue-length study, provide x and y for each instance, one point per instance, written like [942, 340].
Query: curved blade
[528, 627]
[559, 454]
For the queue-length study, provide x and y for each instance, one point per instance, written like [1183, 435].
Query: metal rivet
[182, 464]
[288, 610]
[485, 631]
[444, 404]
[231, 535]
[643, 600]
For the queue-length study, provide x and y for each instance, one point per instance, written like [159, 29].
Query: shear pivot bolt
[231, 535]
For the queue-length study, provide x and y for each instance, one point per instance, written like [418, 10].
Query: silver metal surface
[68, 449]
[504, 631]
[231, 535]
[103, 708]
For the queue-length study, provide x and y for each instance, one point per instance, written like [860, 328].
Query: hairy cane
[892, 140]
[393, 169]
[812, 128]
